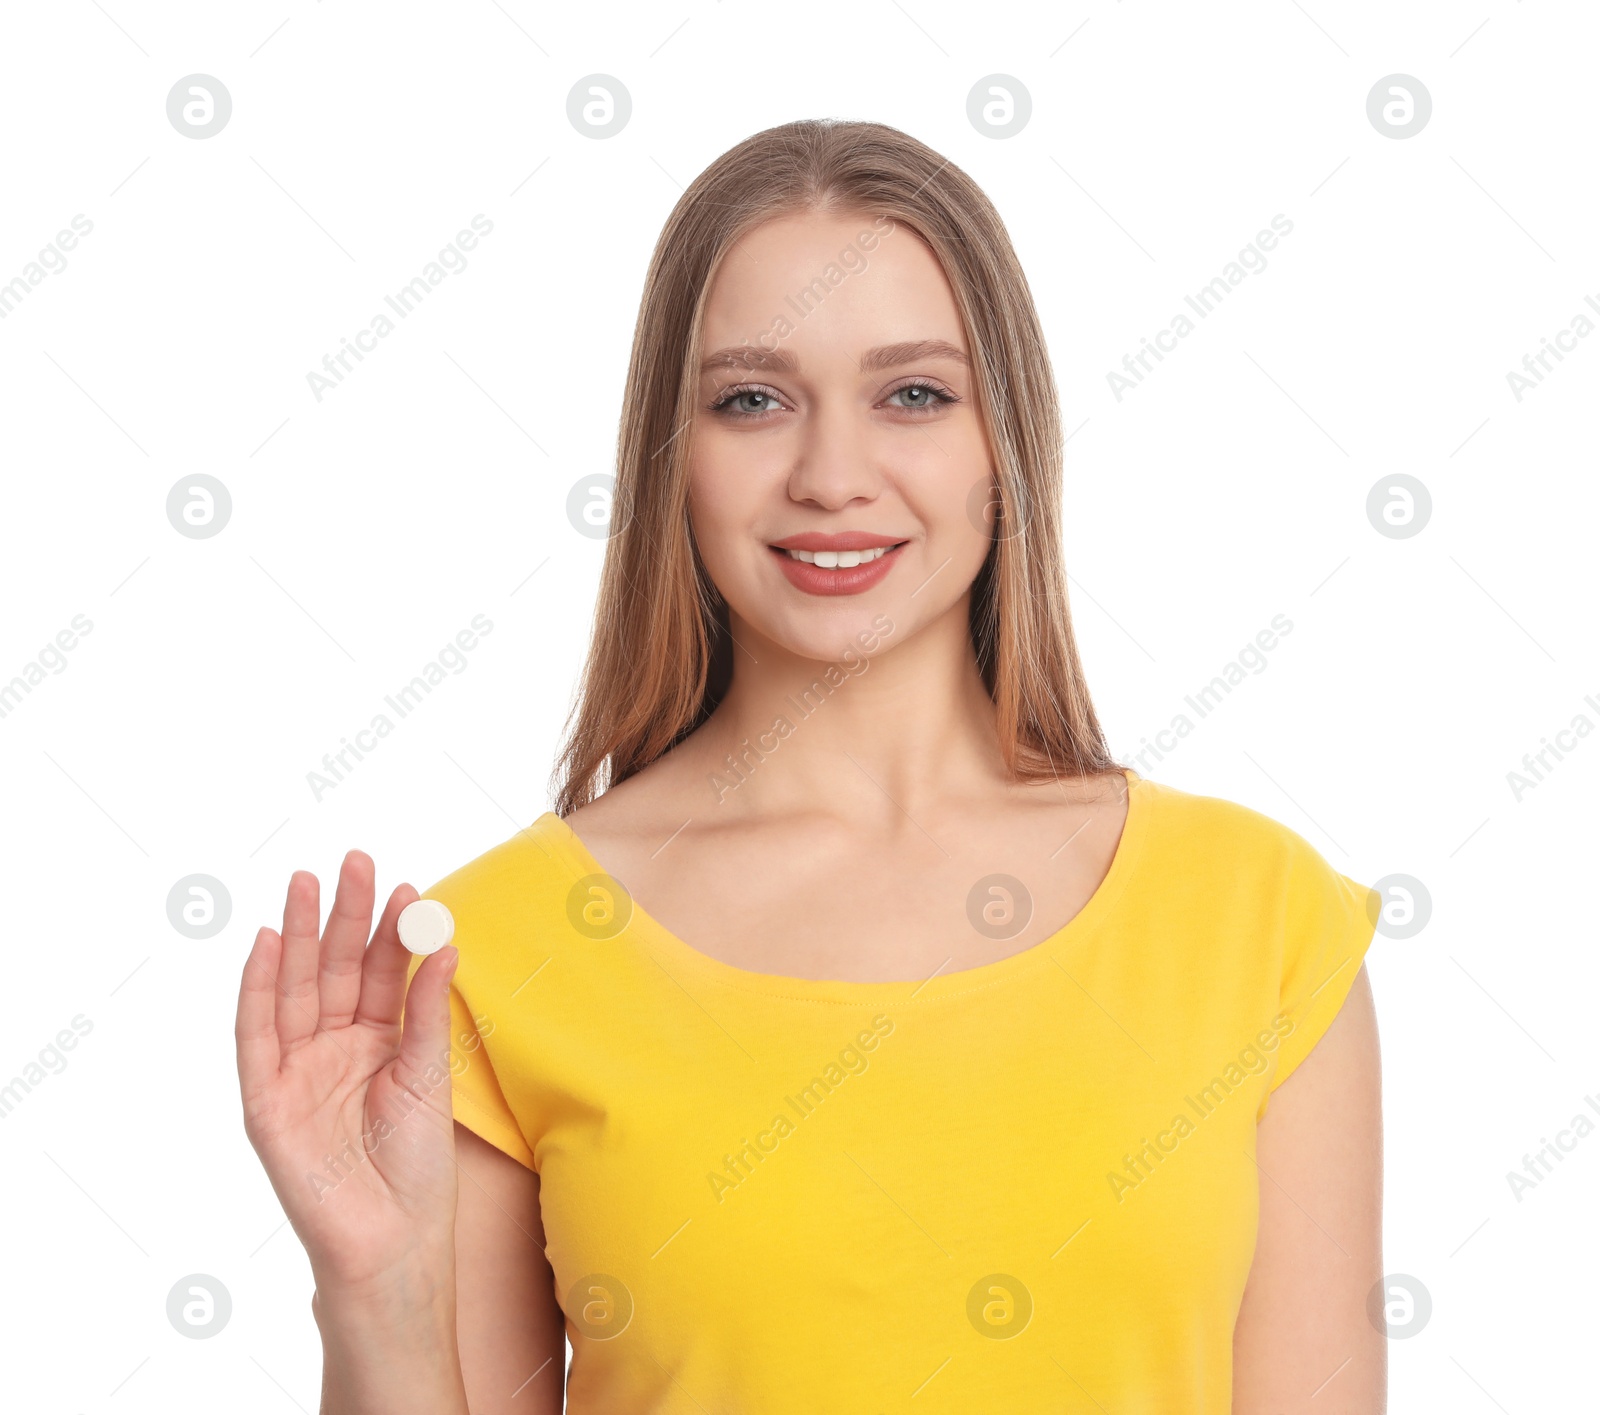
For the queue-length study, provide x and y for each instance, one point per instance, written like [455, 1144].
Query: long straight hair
[660, 655]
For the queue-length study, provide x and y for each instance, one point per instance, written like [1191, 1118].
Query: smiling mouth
[839, 559]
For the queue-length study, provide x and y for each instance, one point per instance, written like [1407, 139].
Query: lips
[836, 540]
[867, 560]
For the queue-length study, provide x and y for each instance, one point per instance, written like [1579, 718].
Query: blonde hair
[660, 656]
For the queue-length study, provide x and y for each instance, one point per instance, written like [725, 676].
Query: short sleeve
[1328, 923]
[476, 1099]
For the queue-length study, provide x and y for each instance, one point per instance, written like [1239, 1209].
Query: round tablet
[426, 926]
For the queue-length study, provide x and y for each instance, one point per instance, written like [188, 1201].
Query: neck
[884, 734]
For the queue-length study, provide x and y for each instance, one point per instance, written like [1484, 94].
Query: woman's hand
[351, 1117]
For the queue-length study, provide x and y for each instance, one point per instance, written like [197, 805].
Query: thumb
[425, 1034]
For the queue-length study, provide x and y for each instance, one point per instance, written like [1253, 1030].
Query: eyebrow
[885, 356]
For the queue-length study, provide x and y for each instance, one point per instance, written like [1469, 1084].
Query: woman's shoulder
[1273, 897]
[543, 881]
[626, 824]
[1217, 831]
[521, 880]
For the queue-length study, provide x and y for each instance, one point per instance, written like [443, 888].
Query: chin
[845, 630]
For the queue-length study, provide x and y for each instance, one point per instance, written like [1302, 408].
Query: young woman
[856, 1034]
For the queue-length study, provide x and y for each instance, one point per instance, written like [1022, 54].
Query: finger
[255, 1027]
[297, 968]
[344, 941]
[426, 1039]
[383, 971]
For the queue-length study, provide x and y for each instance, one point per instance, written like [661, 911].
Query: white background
[368, 528]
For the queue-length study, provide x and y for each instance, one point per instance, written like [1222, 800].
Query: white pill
[426, 926]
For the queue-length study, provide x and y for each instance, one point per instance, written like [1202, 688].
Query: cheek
[725, 495]
[947, 490]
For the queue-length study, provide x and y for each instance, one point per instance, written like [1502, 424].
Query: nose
[834, 463]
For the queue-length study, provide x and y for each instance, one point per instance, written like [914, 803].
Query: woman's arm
[1303, 1341]
[511, 1331]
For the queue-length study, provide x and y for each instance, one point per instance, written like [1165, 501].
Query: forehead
[830, 283]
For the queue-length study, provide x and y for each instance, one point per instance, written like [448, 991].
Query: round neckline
[646, 930]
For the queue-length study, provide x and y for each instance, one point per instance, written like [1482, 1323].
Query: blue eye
[751, 401]
[735, 402]
[925, 396]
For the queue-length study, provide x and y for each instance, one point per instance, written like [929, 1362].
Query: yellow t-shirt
[1024, 1186]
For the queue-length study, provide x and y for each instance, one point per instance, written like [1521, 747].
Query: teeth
[840, 559]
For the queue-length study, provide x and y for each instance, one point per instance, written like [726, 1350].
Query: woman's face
[837, 417]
